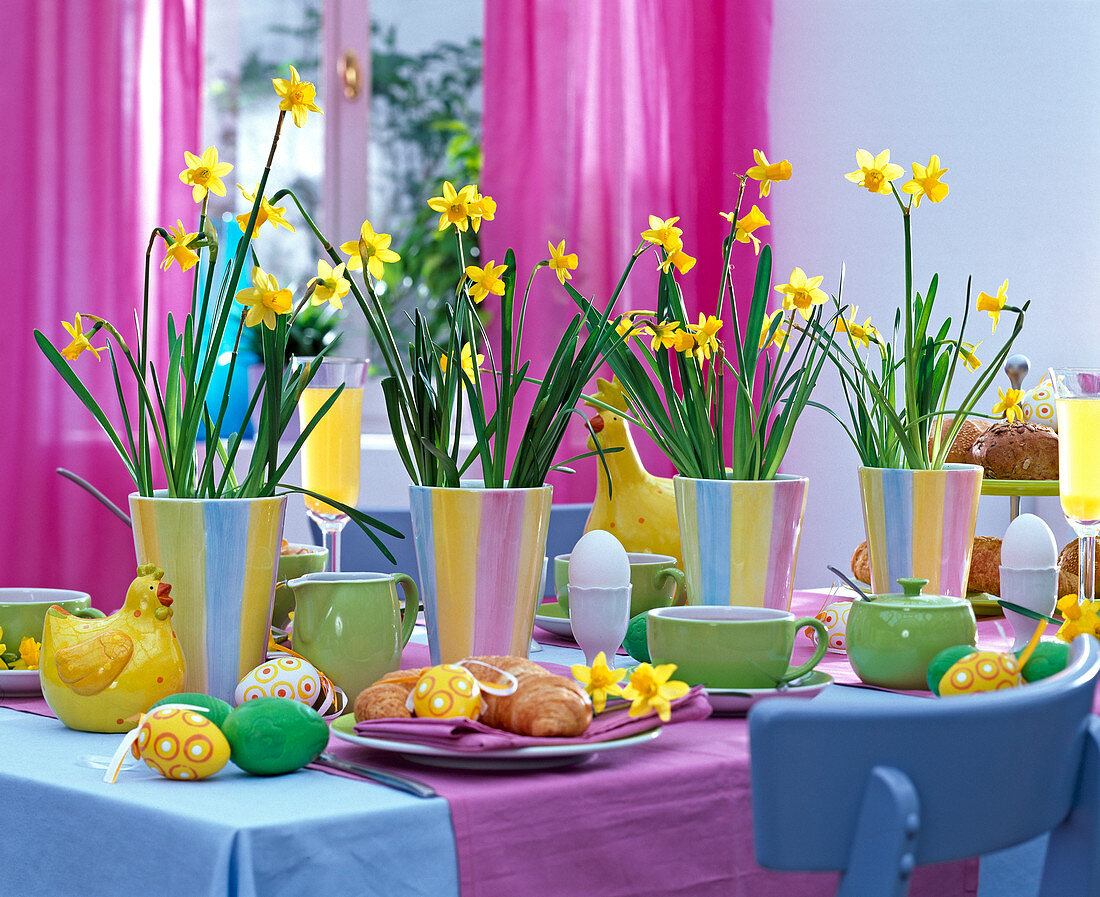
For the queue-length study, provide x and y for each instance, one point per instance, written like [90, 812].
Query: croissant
[385, 699]
[543, 705]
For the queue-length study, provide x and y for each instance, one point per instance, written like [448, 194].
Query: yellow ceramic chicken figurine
[641, 512]
[98, 675]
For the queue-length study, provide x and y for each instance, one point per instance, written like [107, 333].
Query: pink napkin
[469, 735]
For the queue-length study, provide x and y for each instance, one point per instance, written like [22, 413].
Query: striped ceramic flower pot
[220, 556]
[920, 523]
[480, 553]
[740, 538]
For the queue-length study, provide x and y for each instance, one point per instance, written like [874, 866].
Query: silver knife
[393, 780]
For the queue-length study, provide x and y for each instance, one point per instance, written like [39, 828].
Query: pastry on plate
[971, 429]
[1068, 577]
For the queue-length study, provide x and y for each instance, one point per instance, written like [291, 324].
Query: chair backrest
[358, 552]
[962, 776]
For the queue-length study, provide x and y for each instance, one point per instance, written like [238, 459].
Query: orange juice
[330, 456]
[1079, 458]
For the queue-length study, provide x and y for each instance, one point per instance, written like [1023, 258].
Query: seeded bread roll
[1017, 450]
[861, 562]
[970, 430]
[1068, 577]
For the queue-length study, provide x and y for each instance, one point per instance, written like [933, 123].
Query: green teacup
[23, 611]
[656, 581]
[730, 646]
[350, 625]
[291, 566]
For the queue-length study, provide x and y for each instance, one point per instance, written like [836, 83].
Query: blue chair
[872, 788]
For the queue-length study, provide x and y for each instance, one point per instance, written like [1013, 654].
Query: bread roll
[1017, 450]
[1068, 576]
[543, 705]
[985, 559]
[971, 429]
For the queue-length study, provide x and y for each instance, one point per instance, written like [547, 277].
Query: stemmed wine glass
[330, 455]
[1077, 398]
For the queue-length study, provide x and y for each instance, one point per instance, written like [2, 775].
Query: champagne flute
[330, 455]
[1077, 398]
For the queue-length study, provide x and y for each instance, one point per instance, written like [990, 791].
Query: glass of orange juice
[1077, 398]
[330, 455]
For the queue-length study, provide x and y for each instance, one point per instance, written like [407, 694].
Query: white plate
[555, 625]
[19, 683]
[739, 700]
[537, 757]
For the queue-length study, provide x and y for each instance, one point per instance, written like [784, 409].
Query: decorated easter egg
[1047, 659]
[445, 692]
[181, 744]
[284, 676]
[636, 640]
[272, 736]
[981, 671]
[214, 709]
[835, 617]
[943, 661]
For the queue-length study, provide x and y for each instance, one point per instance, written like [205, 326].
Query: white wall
[1008, 95]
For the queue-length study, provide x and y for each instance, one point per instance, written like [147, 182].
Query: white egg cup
[599, 617]
[1037, 590]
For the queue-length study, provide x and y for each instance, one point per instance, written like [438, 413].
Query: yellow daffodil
[466, 361]
[264, 299]
[376, 248]
[486, 280]
[802, 292]
[664, 233]
[706, 335]
[178, 249]
[685, 342]
[1009, 404]
[626, 326]
[80, 342]
[768, 173]
[1079, 618]
[650, 689]
[664, 334]
[481, 207]
[599, 681]
[680, 259]
[267, 212]
[993, 304]
[926, 182]
[454, 206]
[966, 352]
[779, 337]
[329, 285]
[874, 172]
[204, 173]
[3, 647]
[560, 263]
[296, 96]
[861, 334]
[29, 651]
[746, 224]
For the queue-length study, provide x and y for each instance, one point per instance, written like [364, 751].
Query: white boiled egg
[598, 561]
[1028, 544]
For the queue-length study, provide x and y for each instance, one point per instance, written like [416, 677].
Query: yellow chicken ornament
[641, 512]
[99, 675]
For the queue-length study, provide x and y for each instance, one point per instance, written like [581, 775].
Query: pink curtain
[598, 114]
[105, 98]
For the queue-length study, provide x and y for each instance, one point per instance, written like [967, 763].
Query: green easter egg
[273, 736]
[943, 661]
[214, 709]
[636, 641]
[1049, 658]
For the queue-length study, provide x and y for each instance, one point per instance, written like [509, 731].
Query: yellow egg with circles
[446, 692]
[181, 744]
[981, 671]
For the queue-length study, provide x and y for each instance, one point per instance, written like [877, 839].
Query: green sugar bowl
[893, 638]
